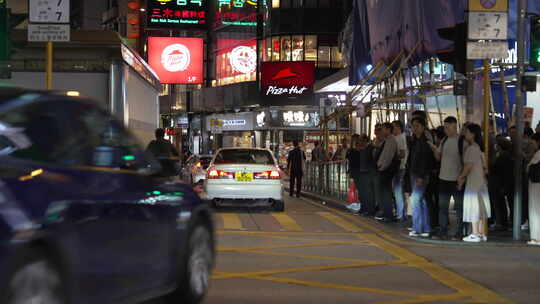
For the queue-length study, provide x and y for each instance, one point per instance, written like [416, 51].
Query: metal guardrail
[327, 178]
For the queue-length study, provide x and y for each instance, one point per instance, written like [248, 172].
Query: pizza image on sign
[243, 59]
[176, 60]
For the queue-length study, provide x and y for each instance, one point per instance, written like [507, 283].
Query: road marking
[286, 222]
[336, 286]
[315, 257]
[339, 221]
[449, 278]
[427, 299]
[231, 221]
[323, 244]
[264, 233]
[236, 275]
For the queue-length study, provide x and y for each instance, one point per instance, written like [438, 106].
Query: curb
[341, 205]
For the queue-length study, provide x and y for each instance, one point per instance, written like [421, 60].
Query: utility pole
[518, 150]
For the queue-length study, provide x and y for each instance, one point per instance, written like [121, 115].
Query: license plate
[244, 177]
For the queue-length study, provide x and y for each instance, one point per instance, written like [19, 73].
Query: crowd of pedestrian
[417, 179]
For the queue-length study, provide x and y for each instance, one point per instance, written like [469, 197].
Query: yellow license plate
[244, 177]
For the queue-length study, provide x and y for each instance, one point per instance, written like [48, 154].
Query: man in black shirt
[295, 166]
[163, 151]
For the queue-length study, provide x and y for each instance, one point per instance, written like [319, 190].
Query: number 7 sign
[49, 11]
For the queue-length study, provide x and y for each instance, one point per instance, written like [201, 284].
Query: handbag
[534, 173]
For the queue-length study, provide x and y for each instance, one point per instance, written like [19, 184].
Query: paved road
[315, 254]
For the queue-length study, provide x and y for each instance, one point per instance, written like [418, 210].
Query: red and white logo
[243, 59]
[176, 58]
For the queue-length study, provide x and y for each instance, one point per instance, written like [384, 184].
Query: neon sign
[177, 13]
[236, 12]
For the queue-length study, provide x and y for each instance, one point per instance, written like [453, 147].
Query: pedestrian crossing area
[279, 221]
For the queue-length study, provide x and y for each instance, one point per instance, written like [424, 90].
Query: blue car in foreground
[86, 217]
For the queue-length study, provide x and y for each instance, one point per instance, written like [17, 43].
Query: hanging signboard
[487, 50]
[488, 5]
[177, 13]
[287, 79]
[488, 26]
[49, 11]
[236, 12]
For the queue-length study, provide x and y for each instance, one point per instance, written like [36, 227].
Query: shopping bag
[353, 195]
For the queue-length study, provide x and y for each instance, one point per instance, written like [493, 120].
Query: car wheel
[35, 280]
[279, 206]
[199, 262]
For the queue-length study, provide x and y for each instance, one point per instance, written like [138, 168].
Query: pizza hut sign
[176, 60]
[287, 79]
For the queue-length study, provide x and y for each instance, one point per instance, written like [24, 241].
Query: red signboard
[235, 57]
[176, 13]
[176, 60]
[287, 79]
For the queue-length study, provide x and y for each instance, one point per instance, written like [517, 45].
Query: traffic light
[457, 54]
[535, 42]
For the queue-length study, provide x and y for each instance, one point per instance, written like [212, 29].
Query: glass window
[296, 3]
[275, 48]
[268, 50]
[244, 156]
[285, 4]
[298, 48]
[41, 132]
[336, 57]
[275, 3]
[311, 48]
[286, 48]
[324, 57]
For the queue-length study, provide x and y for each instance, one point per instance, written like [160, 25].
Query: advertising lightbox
[287, 79]
[176, 60]
[236, 60]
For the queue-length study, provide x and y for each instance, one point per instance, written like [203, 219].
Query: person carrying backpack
[450, 154]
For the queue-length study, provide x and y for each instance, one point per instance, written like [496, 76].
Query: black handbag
[534, 173]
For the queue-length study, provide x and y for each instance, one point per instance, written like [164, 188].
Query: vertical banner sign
[176, 60]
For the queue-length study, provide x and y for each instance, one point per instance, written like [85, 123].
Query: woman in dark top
[361, 170]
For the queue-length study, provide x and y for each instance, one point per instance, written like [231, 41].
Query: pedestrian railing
[327, 178]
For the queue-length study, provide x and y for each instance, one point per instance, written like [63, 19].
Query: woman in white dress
[476, 205]
[534, 199]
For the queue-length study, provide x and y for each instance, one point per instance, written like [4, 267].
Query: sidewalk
[500, 239]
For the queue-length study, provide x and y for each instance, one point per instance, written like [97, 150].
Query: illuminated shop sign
[234, 122]
[287, 79]
[300, 118]
[236, 12]
[176, 60]
[177, 13]
[236, 61]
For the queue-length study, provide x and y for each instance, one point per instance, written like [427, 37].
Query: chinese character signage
[236, 12]
[176, 60]
[306, 119]
[236, 60]
[287, 79]
[177, 13]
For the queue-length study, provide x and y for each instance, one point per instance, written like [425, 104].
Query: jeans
[384, 195]
[295, 177]
[366, 191]
[448, 189]
[397, 184]
[419, 205]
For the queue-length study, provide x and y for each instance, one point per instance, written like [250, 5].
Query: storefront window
[275, 3]
[285, 4]
[268, 50]
[324, 57]
[311, 48]
[275, 48]
[286, 48]
[336, 57]
[298, 48]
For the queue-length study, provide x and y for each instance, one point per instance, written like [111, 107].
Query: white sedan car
[243, 175]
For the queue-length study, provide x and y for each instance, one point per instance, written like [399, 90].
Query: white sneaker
[424, 234]
[472, 238]
[525, 226]
[414, 234]
[533, 242]
[484, 238]
[409, 228]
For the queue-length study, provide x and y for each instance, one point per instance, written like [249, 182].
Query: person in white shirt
[397, 183]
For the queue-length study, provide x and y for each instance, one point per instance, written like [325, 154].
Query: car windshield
[244, 156]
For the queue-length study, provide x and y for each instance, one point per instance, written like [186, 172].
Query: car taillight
[219, 174]
[274, 174]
